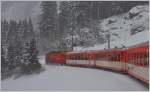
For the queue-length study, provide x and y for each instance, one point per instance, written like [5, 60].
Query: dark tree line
[18, 45]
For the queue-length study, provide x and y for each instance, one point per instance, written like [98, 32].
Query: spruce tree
[3, 60]
[33, 52]
[30, 61]
[48, 18]
[30, 28]
[11, 56]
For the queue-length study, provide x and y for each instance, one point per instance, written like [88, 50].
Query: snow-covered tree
[48, 18]
[4, 31]
[4, 61]
[30, 61]
[33, 52]
[11, 56]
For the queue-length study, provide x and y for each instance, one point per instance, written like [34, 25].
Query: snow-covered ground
[72, 78]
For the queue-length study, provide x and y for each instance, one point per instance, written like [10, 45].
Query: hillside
[126, 30]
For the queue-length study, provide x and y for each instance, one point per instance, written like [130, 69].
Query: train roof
[111, 50]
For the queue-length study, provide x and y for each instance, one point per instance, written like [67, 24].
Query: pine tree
[48, 18]
[26, 54]
[30, 28]
[4, 31]
[11, 56]
[3, 60]
[30, 61]
[33, 52]
[25, 29]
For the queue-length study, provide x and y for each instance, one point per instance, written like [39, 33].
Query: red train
[56, 57]
[134, 61]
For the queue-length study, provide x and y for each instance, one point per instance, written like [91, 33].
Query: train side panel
[110, 60]
[80, 59]
[138, 63]
[56, 58]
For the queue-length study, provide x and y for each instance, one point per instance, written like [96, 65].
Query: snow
[132, 40]
[123, 25]
[72, 78]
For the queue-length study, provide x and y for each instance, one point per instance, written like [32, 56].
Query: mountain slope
[126, 30]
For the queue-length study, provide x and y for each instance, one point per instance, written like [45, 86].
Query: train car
[112, 59]
[101, 59]
[138, 62]
[85, 59]
[56, 57]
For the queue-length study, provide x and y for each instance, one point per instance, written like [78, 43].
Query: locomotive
[133, 61]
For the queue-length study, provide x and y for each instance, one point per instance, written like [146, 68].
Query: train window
[106, 57]
[113, 57]
[67, 56]
[136, 59]
[119, 56]
[73, 57]
[146, 59]
[139, 58]
[85, 57]
[100, 56]
[131, 58]
[78, 56]
[70, 56]
[81, 56]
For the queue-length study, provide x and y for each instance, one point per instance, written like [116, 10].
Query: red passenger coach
[112, 59]
[80, 59]
[56, 57]
[138, 62]
[102, 59]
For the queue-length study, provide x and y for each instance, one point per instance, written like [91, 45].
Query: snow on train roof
[129, 41]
